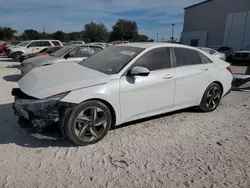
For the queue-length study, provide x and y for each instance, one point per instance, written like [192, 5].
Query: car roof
[44, 40]
[87, 45]
[154, 45]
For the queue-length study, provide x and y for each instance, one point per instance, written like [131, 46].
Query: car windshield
[25, 43]
[111, 60]
[246, 48]
[62, 51]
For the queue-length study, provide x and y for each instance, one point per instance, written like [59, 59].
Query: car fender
[17, 50]
[108, 92]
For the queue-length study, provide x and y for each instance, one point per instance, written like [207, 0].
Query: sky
[152, 16]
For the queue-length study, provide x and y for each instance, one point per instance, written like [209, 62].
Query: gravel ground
[183, 149]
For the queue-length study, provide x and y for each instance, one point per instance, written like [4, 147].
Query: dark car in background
[228, 51]
[242, 57]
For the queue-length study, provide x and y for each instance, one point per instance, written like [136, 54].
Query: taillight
[229, 69]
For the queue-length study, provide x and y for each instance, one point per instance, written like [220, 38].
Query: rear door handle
[168, 76]
[205, 69]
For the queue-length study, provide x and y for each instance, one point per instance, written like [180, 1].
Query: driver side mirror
[138, 71]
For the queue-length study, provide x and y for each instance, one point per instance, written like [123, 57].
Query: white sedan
[120, 84]
[214, 53]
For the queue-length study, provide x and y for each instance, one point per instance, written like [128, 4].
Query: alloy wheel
[213, 98]
[90, 124]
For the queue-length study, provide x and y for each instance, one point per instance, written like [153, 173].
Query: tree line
[92, 32]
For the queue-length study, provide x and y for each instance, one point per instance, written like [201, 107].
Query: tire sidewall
[69, 126]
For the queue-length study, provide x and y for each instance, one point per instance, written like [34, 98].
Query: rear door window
[82, 51]
[45, 43]
[186, 57]
[204, 59]
[35, 44]
[96, 49]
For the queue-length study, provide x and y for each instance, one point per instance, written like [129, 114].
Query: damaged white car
[120, 84]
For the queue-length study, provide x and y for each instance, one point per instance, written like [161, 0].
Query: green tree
[74, 36]
[95, 32]
[124, 30]
[142, 38]
[31, 34]
[7, 33]
[59, 35]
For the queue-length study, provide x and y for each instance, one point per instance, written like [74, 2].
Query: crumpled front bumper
[36, 115]
[40, 113]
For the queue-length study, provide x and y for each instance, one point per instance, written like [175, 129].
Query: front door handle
[168, 76]
[205, 69]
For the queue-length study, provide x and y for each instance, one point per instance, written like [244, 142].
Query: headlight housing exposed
[58, 96]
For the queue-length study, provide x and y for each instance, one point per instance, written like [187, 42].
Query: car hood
[18, 48]
[58, 78]
[42, 59]
[242, 52]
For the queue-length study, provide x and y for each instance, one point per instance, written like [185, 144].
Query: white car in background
[213, 52]
[120, 84]
[32, 46]
[75, 43]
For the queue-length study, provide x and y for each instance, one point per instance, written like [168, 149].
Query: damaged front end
[40, 113]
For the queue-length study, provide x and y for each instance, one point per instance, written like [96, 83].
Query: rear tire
[88, 123]
[211, 98]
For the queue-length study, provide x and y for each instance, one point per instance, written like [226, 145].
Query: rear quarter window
[204, 59]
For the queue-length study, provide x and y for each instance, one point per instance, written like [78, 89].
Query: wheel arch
[220, 84]
[18, 52]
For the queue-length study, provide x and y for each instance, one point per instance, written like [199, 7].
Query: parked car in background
[12, 43]
[213, 52]
[117, 42]
[43, 52]
[10, 46]
[75, 43]
[105, 45]
[74, 54]
[2, 48]
[118, 85]
[242, 57]
[228, 51]
[32, 46]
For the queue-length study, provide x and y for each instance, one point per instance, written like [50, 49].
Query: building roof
[201, 3]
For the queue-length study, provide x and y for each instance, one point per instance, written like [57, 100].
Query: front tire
[88, 123]
[16, 55]
[211, 98]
